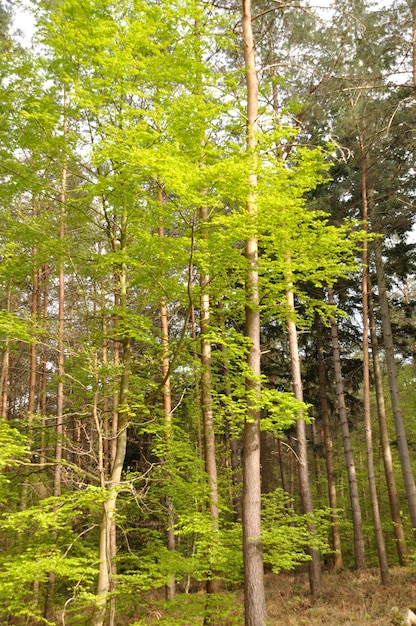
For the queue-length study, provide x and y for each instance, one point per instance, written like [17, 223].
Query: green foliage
[286, 534]
[14, 448]
[281, 409]
[195, 608]
[48, 538]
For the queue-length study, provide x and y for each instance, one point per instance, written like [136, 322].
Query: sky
[24, 20]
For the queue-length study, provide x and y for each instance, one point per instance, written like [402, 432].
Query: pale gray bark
[170, 587]
[385, 447]
[207, 410]
[302, 447]
[378, 531]
[61, 323]
[359, 548]
[401, 436]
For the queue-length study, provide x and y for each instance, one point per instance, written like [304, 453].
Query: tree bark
[107, 535]
[359, 549]
[170, 587]
[302, 446]
[401, 436]
[207, 411]
[378, 531]
[254, 597]
[327, 437]
[385, 446]
[61, 322]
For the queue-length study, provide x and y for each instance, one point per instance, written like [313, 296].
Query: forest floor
[349, 598]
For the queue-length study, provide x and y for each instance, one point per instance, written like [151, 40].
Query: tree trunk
[378, 531]
[59, 425]
[4, 380]
[107, 536]
[359, 550]
[302, 447]
[254, 598]
[170, 587]
[385, 446]
[197, 386]
[207, 411]
[327, 437]
[401, 436]
[43, 392]
[61, 323]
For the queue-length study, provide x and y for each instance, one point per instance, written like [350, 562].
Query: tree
[254, 600]
[359, 553]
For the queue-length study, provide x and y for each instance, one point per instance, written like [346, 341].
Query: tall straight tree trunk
[327, 437]
[5, 367]
[359, 548]
[207, 409]
[61, 322]
[4, 380]
[254, 598]
[33, 357]
[401, 437]
[43, 392]
[104, 357]
[302, 447]
[385, 446]
[197, 386]
[167, 402]
[378, 531]
[59, 427]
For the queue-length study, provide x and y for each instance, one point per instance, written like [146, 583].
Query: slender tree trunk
[282, 468]
[167, 405]
[378, 531]
[359, 548]
[43, 393]
[197, 386]
[61, 323]
[385, 446]
[207, 410]
[107, 547]
[327, 437]
[401, 436]
[302, 447]
[5, 381]
[254, 598]
[104, 356]
[5, 368]
[232, 441]
[33, 356]
[116, 361]
[59, 424]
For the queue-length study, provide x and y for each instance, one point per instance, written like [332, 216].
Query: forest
[207, 311]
